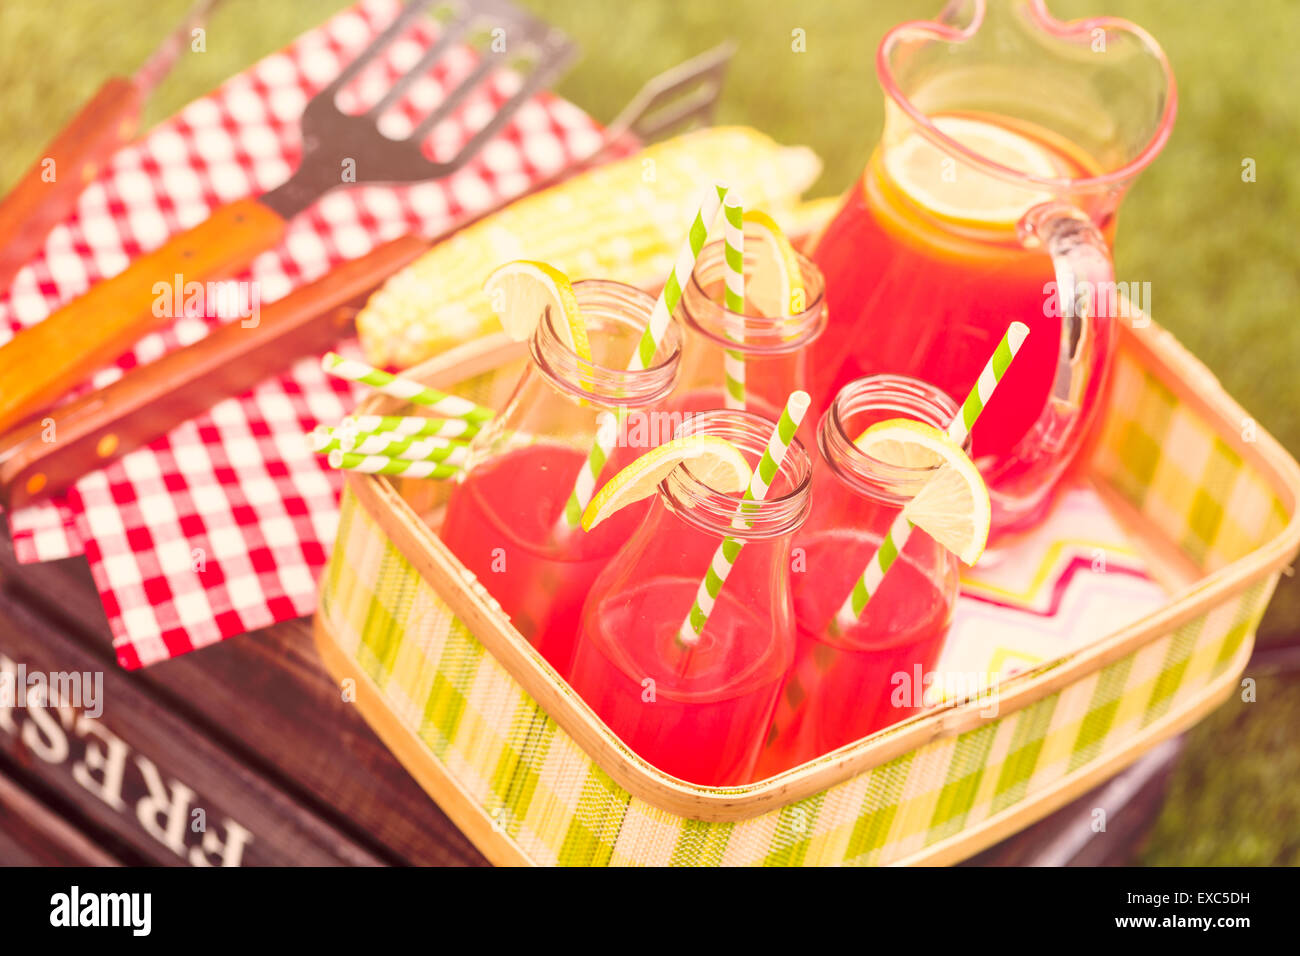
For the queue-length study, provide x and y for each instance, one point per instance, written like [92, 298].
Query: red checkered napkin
[223, 525]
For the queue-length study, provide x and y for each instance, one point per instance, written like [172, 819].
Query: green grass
[1235, 795]
[1220, 254]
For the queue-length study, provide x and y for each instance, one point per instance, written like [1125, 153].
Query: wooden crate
[252, 731]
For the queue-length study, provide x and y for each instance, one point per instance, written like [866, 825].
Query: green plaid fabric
[1178, 471]
[535, 785]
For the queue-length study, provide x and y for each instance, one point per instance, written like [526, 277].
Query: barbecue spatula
[101, 426]
[44, 361]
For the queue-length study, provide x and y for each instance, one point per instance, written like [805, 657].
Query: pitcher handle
[1082, 265]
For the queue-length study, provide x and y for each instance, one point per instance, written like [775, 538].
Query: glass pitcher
[1009, 140]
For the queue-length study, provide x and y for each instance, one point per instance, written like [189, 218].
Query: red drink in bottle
[699, 711]
[504, 519]
[846, 684]
[501, 523]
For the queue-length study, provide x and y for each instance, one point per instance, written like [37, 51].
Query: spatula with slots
[101, 426]
[43, 362]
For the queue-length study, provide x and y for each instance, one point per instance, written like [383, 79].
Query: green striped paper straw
[408, 425]
[441, 403]
[724, 559]
[733, 362]
[388, 445]
[660, 316]
[666, 304]
[958, 430]
[585, 485]
[380, 465]
[322, 440]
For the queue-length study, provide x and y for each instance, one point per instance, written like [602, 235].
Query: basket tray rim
[492, 840]
[1156, 348]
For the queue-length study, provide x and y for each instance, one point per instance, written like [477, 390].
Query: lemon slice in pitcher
[775, 284]
[951, 188]
[953, 506]
[523, 291]
[713, 461]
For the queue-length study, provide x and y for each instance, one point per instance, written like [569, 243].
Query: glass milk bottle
[697, 711]
[845, 684]
[769, 345]
[505, 519]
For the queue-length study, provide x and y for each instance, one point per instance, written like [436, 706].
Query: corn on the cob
[621, 221]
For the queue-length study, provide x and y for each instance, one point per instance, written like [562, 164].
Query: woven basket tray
[530, 774]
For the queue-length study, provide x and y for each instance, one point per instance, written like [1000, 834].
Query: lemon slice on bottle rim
[523, 291]
[775, 284]
[713, 461]
[953, 506]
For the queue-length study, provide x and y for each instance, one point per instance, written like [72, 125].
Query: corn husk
[625, 221]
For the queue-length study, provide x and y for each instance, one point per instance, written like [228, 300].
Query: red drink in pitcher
[992, 196]
[697, 711]
[505, 517]
[847, 683]
[948, 295]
